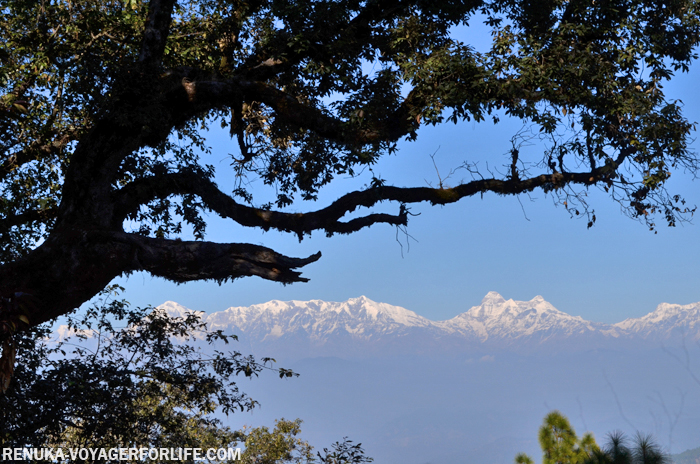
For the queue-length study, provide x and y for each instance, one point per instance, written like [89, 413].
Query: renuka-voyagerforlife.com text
[122, 454]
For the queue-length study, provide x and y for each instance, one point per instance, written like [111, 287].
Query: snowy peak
[493, 298]
[174, 309]
[359, 317]
[319, 327]
[501, 319]
[370, 310]
[495, 306]
[666, 321]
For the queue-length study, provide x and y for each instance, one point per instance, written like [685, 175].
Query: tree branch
[26, 217]
[82, 262]
[36, 149]
[181, 261]
[219, 94]
[156, 31]
[137, 193]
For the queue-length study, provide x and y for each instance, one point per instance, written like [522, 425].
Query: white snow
[495, 318]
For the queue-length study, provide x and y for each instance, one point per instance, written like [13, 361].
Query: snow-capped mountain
[362, 326]
[311, 328]
[177, 310]
[499, 319]
[360, 317]
[370, 369]
[667, 321]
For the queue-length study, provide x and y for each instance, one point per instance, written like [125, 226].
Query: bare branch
[514, 173]
[137, 193]
[140, 192]
[99, 256]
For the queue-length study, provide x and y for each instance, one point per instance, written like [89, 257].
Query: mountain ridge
[361, 325]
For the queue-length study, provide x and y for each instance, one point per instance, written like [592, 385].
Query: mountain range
[473, 388]
[360, 326]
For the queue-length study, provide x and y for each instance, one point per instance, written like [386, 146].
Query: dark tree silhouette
[102, 103]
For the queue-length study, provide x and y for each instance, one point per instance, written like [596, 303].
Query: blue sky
[519, 247]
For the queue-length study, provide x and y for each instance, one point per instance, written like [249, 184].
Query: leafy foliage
[280, 445]
[145, 384]
[344, 453]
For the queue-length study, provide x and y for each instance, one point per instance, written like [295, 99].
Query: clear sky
[518, 246]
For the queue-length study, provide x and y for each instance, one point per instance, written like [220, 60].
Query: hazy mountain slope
[481, 410]
[687, 457]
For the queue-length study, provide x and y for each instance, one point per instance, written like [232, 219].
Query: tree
[144, 384]
[280, 445]
[561, 446]
[103, 101]
[141, 385]
[559, 443]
